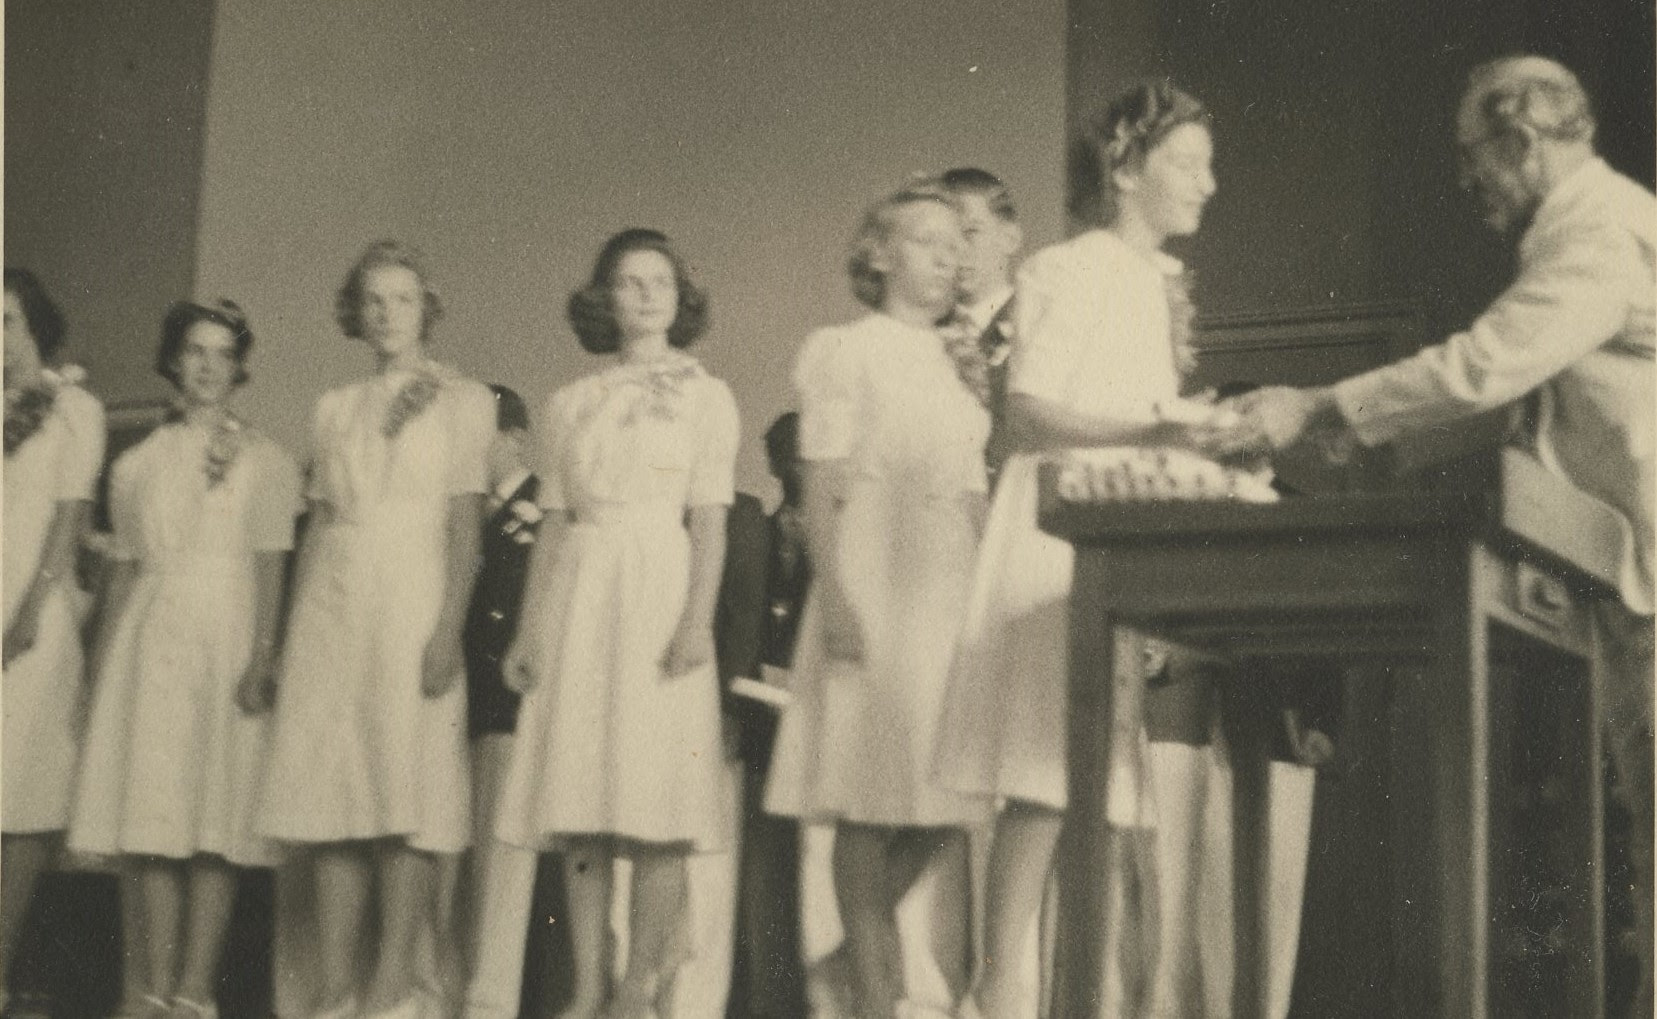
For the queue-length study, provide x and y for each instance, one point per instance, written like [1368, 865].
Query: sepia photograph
[867, 509]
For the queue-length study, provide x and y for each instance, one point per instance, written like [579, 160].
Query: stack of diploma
[771, 689]
[1160, 474]
[1155, 474]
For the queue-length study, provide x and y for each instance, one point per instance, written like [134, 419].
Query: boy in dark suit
[990, 222]
[766, 576]
[501, 878]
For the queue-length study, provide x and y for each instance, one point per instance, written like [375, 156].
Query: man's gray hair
[1516, 92]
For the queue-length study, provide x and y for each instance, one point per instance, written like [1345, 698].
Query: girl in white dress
[893, 425]
[203, 512]
[1101, 339]
[368, 760]
[618, 748]
[54, 447]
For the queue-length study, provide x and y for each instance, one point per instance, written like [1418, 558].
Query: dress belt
[196, 565]
[644, 514]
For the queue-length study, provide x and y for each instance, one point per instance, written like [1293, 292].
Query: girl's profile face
[206, 366]
[989, 243]
[1170, 190]
[921, 257]
[393, 308]
[22, 355]
[644, 294]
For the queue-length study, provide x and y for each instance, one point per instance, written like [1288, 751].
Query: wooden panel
[1551, 515]
[1302, 346]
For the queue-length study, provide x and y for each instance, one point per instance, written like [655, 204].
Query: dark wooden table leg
[1581, 823]
[1084, 876]
[1440, 809]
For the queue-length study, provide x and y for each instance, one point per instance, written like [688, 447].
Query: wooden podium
[1434, 584]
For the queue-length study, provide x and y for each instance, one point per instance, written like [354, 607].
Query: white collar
[504, 490]
[983, 311]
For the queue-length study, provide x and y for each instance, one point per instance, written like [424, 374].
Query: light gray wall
[509, 146]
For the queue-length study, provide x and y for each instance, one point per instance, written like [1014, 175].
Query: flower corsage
[664, 384]
[971, 365]
[412, 399]
[223, 447]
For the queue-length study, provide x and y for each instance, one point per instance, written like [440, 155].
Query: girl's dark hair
[593, 316]
[970, 180]
[175, 325]
[46, 322]
[1120, 138]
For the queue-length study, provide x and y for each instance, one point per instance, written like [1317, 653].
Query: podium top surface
[1524, 505]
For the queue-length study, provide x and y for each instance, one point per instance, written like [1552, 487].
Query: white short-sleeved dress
[606, 743]
[856, 743]
[172, 764]
[358, 751]
[1093, 336]
[41, 691]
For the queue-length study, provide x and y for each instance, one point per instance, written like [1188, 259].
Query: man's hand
[1288, 417]
[842, 629]
[441, 665]
[690, 649]
[1279, 413]
[521, 669]
[256, 691]
[25, 629]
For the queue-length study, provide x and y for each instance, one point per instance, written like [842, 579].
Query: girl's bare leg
[589, 882]
[656, 927]
[1021, 860]
[863, 888]
[212, 895]
[344, 875]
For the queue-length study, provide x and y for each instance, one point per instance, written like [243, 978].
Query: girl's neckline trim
[1162, 262]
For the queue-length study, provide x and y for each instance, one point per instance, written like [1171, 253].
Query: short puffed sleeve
[83, 455]
[471, 410]
[1052, 326]
[552, 430]
[827, 379]
[275, 500]
[123, 506]
[713, 468]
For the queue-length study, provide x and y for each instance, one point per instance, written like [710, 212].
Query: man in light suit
[1574, 332]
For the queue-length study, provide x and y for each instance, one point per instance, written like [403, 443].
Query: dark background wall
[105, 114]
[1334, 132]
[1337, 240]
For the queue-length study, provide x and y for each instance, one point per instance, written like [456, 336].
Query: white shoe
[346, 1009]
[184, 1008]
[831, 988]
[413, 1006]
